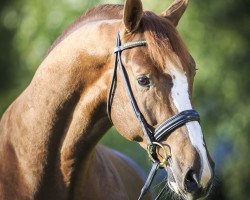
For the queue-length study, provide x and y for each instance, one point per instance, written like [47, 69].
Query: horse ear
[175, 11]
[132, 14]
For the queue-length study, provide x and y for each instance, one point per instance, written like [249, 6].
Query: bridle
[153, 137]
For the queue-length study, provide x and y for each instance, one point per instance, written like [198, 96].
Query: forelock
[163, 41]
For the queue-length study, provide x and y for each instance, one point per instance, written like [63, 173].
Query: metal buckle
[159, 146]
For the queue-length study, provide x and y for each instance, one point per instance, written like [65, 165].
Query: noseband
[153, 137]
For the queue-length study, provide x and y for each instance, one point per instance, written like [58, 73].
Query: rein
[153, 137]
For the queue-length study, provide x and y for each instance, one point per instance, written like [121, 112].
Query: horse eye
[143, 81]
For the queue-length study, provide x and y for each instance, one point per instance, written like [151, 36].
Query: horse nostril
[191, 183]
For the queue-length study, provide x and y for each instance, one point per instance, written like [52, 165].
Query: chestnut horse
[49, 134]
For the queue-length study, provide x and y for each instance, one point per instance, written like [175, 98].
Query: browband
[130, 45]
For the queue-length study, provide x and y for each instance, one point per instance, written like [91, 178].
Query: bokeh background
[217, 34]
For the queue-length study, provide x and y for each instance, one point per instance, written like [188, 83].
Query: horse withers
[49, 134]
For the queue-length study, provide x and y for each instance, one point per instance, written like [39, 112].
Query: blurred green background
[217, 34]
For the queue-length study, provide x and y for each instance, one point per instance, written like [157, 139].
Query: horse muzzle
[187, 182]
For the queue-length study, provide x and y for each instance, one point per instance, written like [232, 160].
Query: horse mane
[106, 11]
[161, 36]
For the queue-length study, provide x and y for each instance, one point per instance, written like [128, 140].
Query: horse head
[160, 75]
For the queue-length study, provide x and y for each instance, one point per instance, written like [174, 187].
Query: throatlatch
[153, 137]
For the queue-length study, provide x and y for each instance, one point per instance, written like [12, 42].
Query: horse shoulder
[130, 174]
[12, 185]
[112, 175]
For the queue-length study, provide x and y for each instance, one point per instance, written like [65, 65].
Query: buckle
[158, 146]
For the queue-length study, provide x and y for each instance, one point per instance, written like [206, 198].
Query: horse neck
[62, 114]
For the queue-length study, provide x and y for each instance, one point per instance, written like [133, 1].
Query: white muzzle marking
[182, 102]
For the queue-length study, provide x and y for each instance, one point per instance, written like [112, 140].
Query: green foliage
[217, 34]
[221, 40]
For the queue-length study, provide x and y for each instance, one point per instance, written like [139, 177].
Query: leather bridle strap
[149, 180]
[118, 50]
[163, 130]
[175, 122]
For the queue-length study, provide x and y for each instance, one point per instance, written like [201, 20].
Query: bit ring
[164, 161]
